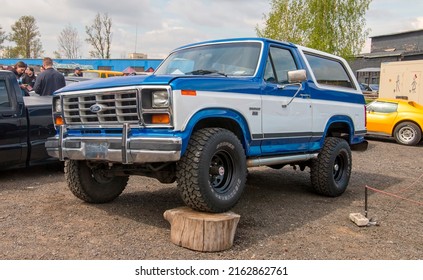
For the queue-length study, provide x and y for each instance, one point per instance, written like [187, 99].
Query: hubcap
[406, 134]
[338, 167]
[221, 171]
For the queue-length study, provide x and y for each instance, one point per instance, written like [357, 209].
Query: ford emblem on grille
[96, 108]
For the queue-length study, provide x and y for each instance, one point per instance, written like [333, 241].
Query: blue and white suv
[210, 111]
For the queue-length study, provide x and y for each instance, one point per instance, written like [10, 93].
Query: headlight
[160, 99]
[57, 105]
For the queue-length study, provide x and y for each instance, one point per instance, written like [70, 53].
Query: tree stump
[201, 231]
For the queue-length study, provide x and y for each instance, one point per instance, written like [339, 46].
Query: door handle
[304, 95]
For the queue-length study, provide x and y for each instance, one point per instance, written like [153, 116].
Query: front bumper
[125, 149]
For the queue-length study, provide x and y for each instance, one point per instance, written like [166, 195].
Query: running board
[272, 160]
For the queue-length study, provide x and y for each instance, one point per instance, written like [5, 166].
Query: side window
[382, 107]
[4, 97]
[329, 72]
[279, 62]
[269, 74]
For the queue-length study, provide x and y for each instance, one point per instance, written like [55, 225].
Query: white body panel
[301, 115]
[279, 118]
[242, 103]
[323, 110]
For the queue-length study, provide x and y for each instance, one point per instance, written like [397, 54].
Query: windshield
[227, 59]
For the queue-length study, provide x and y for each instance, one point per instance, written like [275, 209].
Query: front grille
[101, 108]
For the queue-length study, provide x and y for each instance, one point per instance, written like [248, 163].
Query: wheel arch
[219, 117]
[341, 127]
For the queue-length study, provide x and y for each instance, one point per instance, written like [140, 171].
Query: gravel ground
[280, 217]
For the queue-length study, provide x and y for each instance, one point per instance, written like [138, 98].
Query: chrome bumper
[125, 149]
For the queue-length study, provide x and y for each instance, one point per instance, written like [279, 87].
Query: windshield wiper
[205, 72]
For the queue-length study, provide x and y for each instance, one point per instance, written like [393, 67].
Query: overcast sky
[156, 27]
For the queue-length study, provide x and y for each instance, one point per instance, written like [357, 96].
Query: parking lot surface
[280, 217]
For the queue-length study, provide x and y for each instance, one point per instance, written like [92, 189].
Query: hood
[117, 82]
[205, 83]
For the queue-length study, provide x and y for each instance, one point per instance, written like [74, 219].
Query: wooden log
[201, 231]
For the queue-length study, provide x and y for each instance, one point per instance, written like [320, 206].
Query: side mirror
[297, 76]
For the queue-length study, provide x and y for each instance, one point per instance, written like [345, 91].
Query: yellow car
[92, 74]
[401, 119]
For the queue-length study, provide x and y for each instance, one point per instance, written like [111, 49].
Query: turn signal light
[188, 92]
[58, 120]
[160, 119]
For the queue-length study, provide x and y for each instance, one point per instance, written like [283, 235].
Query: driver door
[287, 120]
[12, 134]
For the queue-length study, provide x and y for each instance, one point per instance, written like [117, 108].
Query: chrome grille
[112, 108]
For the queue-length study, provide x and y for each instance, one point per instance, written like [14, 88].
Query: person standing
[77, 72]
[49, 80]
[28, 79]
[19, 70]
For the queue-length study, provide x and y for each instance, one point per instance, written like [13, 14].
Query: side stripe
[287, 135]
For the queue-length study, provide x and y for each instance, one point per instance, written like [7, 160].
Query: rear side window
[329, 72]
[382, 107]
[4, 97]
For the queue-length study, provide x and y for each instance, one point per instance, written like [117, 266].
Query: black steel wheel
[93, 184]
[331, 171]
[212, 173]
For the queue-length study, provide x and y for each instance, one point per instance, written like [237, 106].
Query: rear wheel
[331, 171]
[93, 184]
[212, 173]
[407, 133]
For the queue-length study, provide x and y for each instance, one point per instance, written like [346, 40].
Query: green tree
[286, 22]
[2, 37]
[10, 52]
[334, 26]
[26, 36]
[100, 36]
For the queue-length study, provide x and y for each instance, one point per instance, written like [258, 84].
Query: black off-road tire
[331, 171]
[212, 173]
[407, 133]
[93, 185]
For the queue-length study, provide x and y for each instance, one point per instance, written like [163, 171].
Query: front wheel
[93, 184]
[331, 171]
[407, 133]
[212, 173]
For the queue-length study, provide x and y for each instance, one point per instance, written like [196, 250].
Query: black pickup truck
[25, 124]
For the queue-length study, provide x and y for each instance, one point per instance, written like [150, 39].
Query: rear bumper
[125, 149]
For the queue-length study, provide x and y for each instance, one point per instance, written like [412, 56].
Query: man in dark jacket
[49, 80]
[78, 72]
